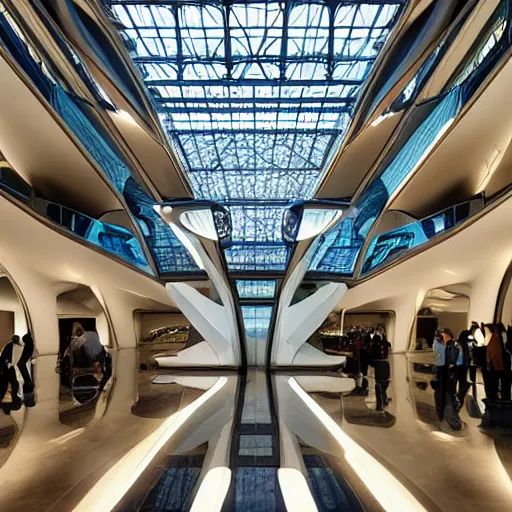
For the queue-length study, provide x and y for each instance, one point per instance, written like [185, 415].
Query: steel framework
[255, 95]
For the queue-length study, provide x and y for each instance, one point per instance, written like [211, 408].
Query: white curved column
[213, 323]
[217, 323]
[296, 323]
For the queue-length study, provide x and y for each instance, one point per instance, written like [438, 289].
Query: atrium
[253, 255]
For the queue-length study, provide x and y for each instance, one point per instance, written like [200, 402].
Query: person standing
[379, 351]
[445, 384]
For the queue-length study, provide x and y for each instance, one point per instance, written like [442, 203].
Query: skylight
[256, 96]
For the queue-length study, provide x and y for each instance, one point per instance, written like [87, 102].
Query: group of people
[369, 346]
[486, 347]
[16, 374]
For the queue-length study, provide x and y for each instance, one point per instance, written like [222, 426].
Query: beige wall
[6, 327]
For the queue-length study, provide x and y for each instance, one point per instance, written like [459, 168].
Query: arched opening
[85, 360]
[16, 365]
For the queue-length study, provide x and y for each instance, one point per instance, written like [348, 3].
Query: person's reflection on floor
[444, 383]
[8, 378]
[25, 369]
[379, 350]
[462, 366]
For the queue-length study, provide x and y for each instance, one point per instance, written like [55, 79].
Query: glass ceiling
[256, 96]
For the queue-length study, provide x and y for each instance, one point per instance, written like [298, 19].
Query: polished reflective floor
[170, 441]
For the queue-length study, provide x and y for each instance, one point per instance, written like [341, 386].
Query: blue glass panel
[405, 162]
[336, 251]
[257, 238]
[387, 247]
[257, 320]
[256, 289]
[115, 239]
[487, 43]
[257, 257]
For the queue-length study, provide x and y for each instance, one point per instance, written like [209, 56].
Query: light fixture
[295, 490]
[431, 146]
[183, 238]
[212, 491]
[492, 163]
[315, 221]
[200, 222]
[126, 116]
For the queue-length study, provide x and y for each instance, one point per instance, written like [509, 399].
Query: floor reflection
[161, 394]
[85, 391]
[163, 440]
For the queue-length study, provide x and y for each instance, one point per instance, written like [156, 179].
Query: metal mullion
[284, 41]
[330, 48]
[350, 28]
[255, 82]
[220, 166]
[216, 2]
[137, 29]
[267, 169]
[227, 41]
[182, 149]
[227, 110]
[295, 131]
[344, 100]
[158, 32]
[179, 46]
[250, 58]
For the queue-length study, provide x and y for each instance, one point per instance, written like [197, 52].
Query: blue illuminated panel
[256, 289]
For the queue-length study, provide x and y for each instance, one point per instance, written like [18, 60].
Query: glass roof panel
[256, 289]
[308, 30]
[256, 29]
[256, 96]
[257, 320]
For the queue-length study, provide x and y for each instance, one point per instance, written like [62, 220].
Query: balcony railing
[387, 247]
[113, 239]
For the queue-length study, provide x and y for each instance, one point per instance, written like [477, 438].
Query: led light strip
[116, 482]
[296, 494]
[389, 492]
[213, 490]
